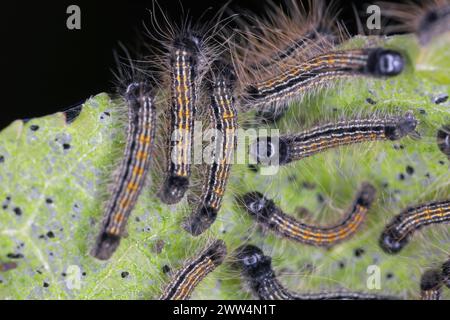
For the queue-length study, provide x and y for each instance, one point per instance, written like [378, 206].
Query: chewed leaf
[55, 172]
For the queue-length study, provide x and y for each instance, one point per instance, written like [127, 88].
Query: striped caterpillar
[315, 73]
[224, 119]
[397, 233]
[305, 144]
[188, 277]
[183, 90]
[273, 218]
[302, 57]
[256, 269]
[133, 169]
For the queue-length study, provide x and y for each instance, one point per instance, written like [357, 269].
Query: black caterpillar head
[189, 42]
[106, 246]
[431, 280]
[135, 91]
[404, 126]
[253, 263]
[200, 221]
[366, 195]
[258, 206]
[173, 189]
[391, 241]
[270, 151]
[382, 62]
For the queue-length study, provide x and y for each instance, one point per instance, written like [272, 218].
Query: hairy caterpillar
[298, 146]
[257, 270]
[398, 232]
[312, 74]
[184, 61]
[132, 171]
[273, 218]
[188, 277]
[186, 57]
[223, 116]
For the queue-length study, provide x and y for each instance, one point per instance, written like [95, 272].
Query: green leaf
[54, 180]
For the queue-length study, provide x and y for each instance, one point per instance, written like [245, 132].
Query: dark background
[48, 68]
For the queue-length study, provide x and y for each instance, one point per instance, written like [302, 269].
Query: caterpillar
[132, 171]
[195, 270]
[316, 72]
[431, 284]
[188, 50]
[273, 218]
[223, 116]
[301, 145]
[398, 232]
[183, 90]
[256, 269]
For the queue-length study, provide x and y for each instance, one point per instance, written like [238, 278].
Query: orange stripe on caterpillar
[183, 72]
[293, 83]
[273, 218]
[132, 171]
[223, 116]
[195, 270]
[285, 149]
[398, 232]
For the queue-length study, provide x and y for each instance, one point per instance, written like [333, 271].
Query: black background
[48, 68]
